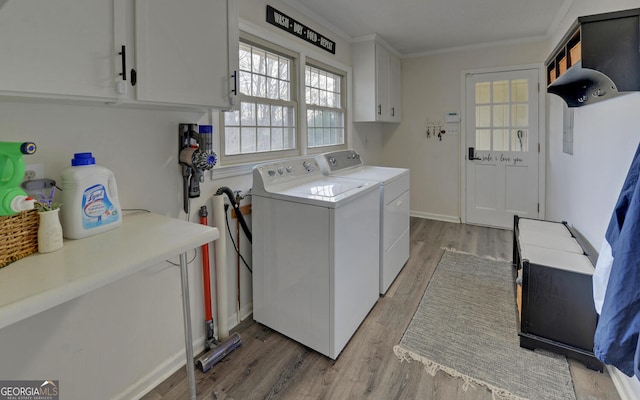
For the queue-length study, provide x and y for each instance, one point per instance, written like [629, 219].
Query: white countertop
[42, 281]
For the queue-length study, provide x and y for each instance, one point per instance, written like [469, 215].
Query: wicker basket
[18, 236]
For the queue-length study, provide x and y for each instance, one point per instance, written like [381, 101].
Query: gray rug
[466, 326]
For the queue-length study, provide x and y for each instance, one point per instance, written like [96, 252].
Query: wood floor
[271, 366]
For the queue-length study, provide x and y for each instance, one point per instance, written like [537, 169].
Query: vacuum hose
[236, 206]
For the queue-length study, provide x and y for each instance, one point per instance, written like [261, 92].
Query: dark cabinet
[598, 58]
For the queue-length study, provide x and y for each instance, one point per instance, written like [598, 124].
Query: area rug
[466, 326]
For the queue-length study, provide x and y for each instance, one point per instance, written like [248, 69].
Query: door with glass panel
[502, 147]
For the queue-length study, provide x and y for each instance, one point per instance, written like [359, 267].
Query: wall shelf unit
[597, 59]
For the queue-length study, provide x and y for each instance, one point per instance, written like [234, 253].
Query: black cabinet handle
[134, 77]
[235, 83]
[472, 154]
[123, 59]
[379, 109]
[393, 111]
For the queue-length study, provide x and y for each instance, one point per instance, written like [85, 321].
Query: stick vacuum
[216, 351]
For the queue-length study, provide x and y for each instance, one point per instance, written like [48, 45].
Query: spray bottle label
[97, 209]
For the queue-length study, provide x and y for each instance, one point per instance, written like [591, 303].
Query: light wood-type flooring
[271, 366]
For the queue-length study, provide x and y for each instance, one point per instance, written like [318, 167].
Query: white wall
[124, 338]
[582, 189]
[431, 87]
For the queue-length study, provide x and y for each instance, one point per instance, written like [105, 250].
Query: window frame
[294, 79]
[311, 62]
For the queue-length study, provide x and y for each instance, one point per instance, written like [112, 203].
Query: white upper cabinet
[182, 51]
[377, 83]
[57, 48]
[177, 53]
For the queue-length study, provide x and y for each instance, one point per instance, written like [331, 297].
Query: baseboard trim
[437, 217]
[159, 374]
[625, 391]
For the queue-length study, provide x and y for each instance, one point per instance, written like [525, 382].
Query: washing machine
[315, 252]
[394, 206]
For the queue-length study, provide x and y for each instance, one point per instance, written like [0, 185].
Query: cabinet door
[395, 88]
[182, 51]
[62, 47]
[383, 111]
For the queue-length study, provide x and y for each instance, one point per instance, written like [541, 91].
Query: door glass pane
[501, 116]
[501, 140]
[483, 116]
[500, 91]
[520, 114]
[483, 139]
[483, 92]
[519, 140]
[519, 91]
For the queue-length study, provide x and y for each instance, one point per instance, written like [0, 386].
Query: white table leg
[186, 310]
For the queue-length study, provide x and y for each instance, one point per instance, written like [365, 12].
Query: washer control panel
[287, 170]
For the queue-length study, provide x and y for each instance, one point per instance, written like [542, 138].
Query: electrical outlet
[33, 171]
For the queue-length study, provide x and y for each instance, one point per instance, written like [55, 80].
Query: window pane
[259, 87]
[232, 140]
[264, 116]
[258, 61]
[311, 121]
[264, 139]
[273, 92]
[501, 116]
[245, 83]
[247, 140]
[520, 115]
[248, 113]
[519, 140]
[232, 118]
[283, 67]
[483, 116]
[272, 65]
[245, 57]
[483, 93]
[501, 140]
[284, 90]
[483, 139]
[276, 139]
[520, 90]
[289, 138]
[276, 116]
[500, 91]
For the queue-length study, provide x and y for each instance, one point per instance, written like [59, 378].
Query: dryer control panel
[339, 160]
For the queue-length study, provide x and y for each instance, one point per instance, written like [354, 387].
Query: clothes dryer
[394, 206]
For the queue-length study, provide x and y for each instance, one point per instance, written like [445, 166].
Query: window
[272, 119]
[266, 119]
[324, 103]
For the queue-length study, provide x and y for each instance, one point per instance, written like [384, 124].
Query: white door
[502, 147]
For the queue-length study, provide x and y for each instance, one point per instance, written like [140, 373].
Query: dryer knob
[332, 160]
[289, 169]
[271, 172]
[280, 170]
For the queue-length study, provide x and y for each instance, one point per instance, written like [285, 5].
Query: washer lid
[325, 192]
[323, 189]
